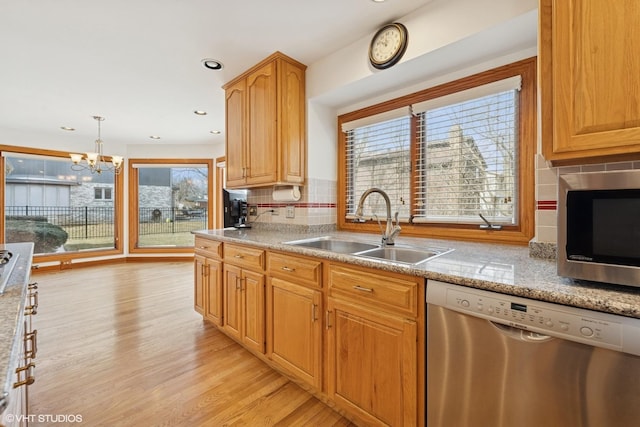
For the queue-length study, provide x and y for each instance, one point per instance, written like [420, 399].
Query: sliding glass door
[169, 200]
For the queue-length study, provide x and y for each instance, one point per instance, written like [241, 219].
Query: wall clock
[388, 45]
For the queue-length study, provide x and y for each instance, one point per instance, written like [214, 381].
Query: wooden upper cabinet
[266, 125]
[261, 123]
[590, 80]
[236, 113]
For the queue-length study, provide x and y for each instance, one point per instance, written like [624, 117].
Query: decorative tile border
[546, 205]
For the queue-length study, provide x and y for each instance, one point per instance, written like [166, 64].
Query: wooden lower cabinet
[199, 276]
[295, 330]
[213, 292]
[208, 288]
[372, 364]
[355, 335]
[243, 306]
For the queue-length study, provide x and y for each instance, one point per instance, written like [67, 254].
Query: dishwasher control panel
[576, 324]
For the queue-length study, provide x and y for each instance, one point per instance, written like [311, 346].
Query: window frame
[521, 233]
[104, 191]
[134, 216]
[65, 258]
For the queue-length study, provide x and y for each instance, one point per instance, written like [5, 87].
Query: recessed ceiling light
[377, 1]
[67, 128]
[215, 132]
[200, 112]
[154, 137]
[212, 64]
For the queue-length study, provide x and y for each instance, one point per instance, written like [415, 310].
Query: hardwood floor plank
[121, 345]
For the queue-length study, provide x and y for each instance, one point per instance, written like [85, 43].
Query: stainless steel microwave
[599, 226]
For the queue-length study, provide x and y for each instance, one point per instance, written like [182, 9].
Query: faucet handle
[396, 218]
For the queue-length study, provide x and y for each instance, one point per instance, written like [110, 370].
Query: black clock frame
[395, 58]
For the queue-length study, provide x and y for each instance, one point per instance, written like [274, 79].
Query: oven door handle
[520, 334]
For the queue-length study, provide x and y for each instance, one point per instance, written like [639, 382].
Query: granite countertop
[501, 268]
[12, 304]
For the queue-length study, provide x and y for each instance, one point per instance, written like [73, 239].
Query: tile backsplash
[547, 192]
[316, 207]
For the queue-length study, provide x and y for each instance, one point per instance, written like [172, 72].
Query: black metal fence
[171, 220]
[91, 222]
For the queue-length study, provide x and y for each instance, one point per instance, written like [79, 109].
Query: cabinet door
[253, 328]
[296, 330]
[232, 301]
[262, 159]
[199, 276]
[213, 292]
[292, 119]
[372, 364]
[236, 120]
[589, 78]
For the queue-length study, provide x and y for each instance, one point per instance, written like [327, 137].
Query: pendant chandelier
[95, 161]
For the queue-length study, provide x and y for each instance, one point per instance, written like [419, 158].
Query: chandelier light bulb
[96, 161]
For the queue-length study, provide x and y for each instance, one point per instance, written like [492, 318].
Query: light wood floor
[120, 345]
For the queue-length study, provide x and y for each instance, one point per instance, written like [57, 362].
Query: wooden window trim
[66, 257]
[133, 202]
[527, 117]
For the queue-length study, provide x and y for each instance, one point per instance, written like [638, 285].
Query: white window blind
[467, 160]
[378, 155]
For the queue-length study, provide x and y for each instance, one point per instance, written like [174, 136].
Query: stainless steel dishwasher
[498, 360]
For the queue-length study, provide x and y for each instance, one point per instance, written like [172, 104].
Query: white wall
[447, 40]
[146, 151]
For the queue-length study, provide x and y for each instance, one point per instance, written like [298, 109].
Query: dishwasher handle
[519, 333]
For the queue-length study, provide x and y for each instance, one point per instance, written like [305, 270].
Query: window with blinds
[465, 161]
[378, 155]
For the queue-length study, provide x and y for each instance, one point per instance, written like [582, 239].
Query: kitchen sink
[404, 255]
[329, 243]
[394, 254]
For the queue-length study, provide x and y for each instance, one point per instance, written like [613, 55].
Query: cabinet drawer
[244, 256]
[375, 288]
[208, 248]
[295, 269]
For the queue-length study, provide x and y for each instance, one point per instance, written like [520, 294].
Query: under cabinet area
[353, 335]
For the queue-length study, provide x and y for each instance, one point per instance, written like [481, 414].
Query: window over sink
[447, 155]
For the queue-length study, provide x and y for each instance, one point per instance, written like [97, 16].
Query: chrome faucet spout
[391, 231]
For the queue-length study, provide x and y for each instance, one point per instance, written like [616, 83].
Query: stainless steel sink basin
[393, 254]
[403, 255]
[329, 243]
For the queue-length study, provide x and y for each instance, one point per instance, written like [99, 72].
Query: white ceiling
[137, 62]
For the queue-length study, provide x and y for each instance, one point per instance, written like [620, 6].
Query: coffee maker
[235, 209]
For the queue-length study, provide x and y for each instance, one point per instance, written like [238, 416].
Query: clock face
[388, 45]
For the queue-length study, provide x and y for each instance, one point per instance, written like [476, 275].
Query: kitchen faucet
[392, 231]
